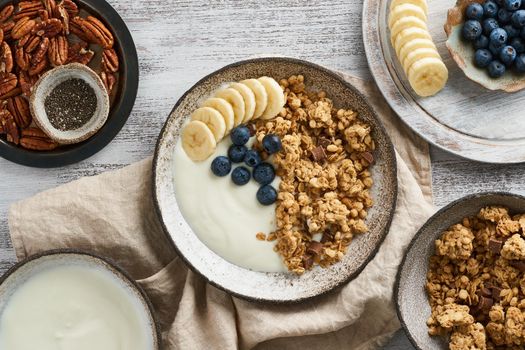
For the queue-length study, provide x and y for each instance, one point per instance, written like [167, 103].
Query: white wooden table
[179, 41]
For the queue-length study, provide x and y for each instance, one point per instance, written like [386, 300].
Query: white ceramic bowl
[53, 78]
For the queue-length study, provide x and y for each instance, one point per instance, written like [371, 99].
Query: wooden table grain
[180, 41]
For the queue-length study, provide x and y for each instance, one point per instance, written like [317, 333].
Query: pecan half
[36, 140]
[39, 68]
[8, 127]
[19, 109]
[33, 43]
[109, 81]
[58, 50]
[8, 82]
[75, 27]
[15, 92]
[6, 58]
[50, 6]
[22, 58]
[62, 14]
[22, 27]
[110, 61]
[43, 14]
[79, 54]
[27, 82]
[28, 9]
[7, 27]
[97, 33]
[48, 28]
[40, 52]
[71, 7]
[6, 13]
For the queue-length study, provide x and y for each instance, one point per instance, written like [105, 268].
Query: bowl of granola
[461, 284]
[275, 180]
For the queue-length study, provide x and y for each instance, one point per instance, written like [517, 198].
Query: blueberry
[221, 166]
[241, 176]
[518, 44]
[495, 48]
[489, 25]
[481, 43]
[264, 173]
[471, 30]
[504, 16]
[266, 195]
[482, 58]
[237, 153]
[507, 55]
[499, 2]
[240, 135]
[518, 19]
[252, 158]
[519, 63]
[272, 143]
[512, 5]
[498, 36]
[511, 31]
[496, 69]
[474, 11]
[490, 9]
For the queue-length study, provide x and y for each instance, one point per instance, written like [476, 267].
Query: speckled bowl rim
[121, 108]
[75, 71]
[106, 263]
[423, 228]
[391, 150]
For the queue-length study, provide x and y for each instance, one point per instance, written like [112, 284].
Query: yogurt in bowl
[73, 301]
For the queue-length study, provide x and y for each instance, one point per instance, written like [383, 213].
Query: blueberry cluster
[496, 29]
[263, 172]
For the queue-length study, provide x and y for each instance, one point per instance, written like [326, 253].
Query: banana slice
[249, 100]
[404, 23]
[213, 119]
[419, 54]
[234, 98]
[420, 3]
[414, 45]
[261, 97]
[275, 97]
[404, 10]
[409, 34]
[198, 141]
[224, 108]
[428, 76]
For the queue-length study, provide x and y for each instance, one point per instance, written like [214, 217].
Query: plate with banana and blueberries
[453, 72]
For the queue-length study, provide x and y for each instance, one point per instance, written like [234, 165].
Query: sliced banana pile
[414, 47]
[236, 104]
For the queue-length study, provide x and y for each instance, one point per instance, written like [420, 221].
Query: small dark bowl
[122, 102]
[24, 269]
[410, 296]
[275, 287]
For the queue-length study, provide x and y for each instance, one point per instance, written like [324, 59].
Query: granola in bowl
[325, 177]
[476, 282]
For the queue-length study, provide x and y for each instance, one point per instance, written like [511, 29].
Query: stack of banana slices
[414, 47]
[236, 104]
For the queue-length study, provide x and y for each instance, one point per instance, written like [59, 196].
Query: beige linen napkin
[112, 214]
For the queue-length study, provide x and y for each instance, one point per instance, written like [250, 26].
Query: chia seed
[71, 104]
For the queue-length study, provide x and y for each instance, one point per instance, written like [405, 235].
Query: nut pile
[36, 36]
[325, 181]
[476, 282]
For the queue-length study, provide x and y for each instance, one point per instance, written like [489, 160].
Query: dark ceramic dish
[275, 287]
[23, 270]
[120, 109]
[410, 295]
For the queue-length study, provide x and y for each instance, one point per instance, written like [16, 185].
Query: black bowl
[121, 108]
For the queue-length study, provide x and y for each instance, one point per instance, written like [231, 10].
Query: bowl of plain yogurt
[72, 300]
